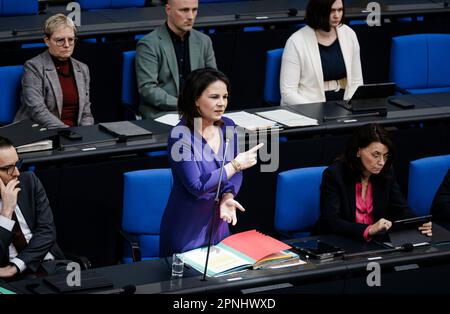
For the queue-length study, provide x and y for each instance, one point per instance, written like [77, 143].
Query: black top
[333, 67]
[338, 201]
[181, 47]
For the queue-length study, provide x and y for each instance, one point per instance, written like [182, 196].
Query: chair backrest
[417, 62]
[272, 80]
[15, 7]
[107, 4]
[10, 82]
[146, 193]
[297, 207]
[94, 4]
[130, 95]
[425, 177]
[127, 3]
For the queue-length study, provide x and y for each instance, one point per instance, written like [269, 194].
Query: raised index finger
[254, 149]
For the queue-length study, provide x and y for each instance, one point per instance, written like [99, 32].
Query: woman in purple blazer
[196, 148]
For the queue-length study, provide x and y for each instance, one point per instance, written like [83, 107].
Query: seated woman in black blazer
[359, 196]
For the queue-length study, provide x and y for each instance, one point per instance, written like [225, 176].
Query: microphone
[406, 247]
[127, 290]
[216, 205]
[263, 15]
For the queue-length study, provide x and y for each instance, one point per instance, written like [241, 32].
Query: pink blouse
[364, 208]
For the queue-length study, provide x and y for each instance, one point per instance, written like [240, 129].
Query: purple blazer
[195, 169]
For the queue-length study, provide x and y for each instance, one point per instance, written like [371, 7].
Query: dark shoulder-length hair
[194, 85]
[361, 138]
[318, 14]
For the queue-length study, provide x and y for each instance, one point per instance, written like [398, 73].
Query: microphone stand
[216, 205]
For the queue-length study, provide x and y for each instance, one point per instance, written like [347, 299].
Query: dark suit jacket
[440, 209]
[34, 205]
[338, 201]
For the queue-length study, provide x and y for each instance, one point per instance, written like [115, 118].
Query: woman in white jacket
[321, 61]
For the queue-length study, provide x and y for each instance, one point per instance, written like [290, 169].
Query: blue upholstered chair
[297, 207]
[107, 4]
[15, 7]
[145, 196]
[425, 177]
[10, 83]
[272, 81]
[418, 63]
[127, 3]
[94, 4]
[130, 95]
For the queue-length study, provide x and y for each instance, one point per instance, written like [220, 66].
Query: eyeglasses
[10, 169]
[61, 41]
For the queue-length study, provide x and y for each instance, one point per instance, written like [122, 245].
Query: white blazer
[301, 76]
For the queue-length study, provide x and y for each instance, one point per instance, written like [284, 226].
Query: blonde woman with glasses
[55, 86]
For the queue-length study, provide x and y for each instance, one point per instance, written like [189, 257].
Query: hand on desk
[8, 271]
[426, 229]
[228, 209]
[380, 226]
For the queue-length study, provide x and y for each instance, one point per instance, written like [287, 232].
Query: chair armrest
[134, 245]
[81, 260]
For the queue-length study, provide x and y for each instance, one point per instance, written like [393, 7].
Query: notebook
[124, 128]
[249, 249]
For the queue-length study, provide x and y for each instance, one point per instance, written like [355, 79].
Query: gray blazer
[34, 205]
[157, 68]
[42, 97]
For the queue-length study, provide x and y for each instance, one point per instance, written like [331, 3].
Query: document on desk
[248, 249]
[35, 147]
[250, 121]
[287, 118]
[124, 128]
[170, 119]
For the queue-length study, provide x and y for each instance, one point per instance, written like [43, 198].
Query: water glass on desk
[177, 265]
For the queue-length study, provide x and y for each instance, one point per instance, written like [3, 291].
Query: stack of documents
[250, 121]
[34, 147]
[288, 118]
[170, 119]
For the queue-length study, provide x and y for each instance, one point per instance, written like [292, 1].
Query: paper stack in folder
[249, 249]
[288, 118]
[34, 147]
[250, 121]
